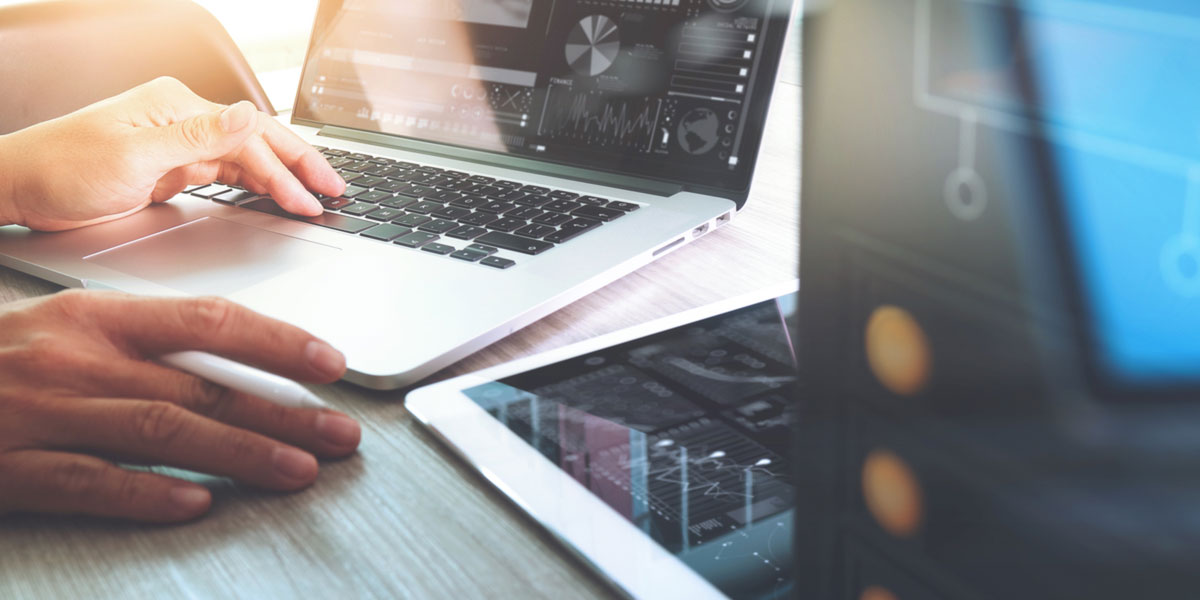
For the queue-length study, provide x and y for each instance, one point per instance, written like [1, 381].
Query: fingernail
[294, 464]
[324, 359]
[189, 499]
[337, 430]
[237, 116]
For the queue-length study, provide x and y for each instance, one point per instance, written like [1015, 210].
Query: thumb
[204, 137]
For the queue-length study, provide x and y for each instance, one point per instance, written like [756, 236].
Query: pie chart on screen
[592, 45]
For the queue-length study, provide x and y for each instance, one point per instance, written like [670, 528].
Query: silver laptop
[504, 158]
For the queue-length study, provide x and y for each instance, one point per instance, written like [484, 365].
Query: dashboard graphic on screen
[658, 88]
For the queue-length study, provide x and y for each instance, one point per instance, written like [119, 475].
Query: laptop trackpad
[212, 256]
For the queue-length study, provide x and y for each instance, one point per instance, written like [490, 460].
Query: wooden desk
[404, 518]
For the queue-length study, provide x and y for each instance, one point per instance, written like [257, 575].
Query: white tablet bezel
[620, 552]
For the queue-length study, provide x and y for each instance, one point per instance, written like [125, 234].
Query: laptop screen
[667, 89]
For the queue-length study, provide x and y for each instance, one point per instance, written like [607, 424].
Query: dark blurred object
[59, 56]
[961, 185]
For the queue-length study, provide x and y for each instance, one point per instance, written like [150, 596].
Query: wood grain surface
[404, 518]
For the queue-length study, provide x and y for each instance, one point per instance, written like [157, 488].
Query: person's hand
[117, 156]
[78, 388]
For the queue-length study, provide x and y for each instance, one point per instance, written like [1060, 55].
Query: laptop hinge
[528, 165]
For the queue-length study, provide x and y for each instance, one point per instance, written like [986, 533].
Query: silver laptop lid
[667, 90]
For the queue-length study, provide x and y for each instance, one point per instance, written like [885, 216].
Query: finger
[204, 137]
[304, 161]
[62, 483]
[261, 163]
[163, 433]
[326, 433]
[151, 327]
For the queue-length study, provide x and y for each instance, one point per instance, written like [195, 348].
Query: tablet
[658, 455]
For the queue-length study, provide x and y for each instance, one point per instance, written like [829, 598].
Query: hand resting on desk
[117, 156]
[78, 388]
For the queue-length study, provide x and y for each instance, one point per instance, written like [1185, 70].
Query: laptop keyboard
[455, 214]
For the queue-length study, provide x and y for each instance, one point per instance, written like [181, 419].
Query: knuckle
[158, 423]
[73, 478]
[41, 352]
[167, 83]
[194, 133]
[207, 398]
[208, 316]
[240, 446]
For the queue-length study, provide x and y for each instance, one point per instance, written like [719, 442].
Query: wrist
[8, 182]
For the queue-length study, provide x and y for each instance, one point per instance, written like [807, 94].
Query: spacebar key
[512, 242]
[326, 219]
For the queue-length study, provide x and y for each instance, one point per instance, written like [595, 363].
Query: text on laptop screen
[668, 89]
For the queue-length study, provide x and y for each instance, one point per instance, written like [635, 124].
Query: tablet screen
[684, 433]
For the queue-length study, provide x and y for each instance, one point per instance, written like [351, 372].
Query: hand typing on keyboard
[115, 157]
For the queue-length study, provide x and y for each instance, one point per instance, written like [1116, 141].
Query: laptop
[504, 158]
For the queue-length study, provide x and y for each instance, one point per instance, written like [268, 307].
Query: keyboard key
[360, 156]
[424, 207]
[560, 206]
[553, 219]
[438, 248]
[461, 185]
[327, 219]
[211, 191]
[592, 200]
[385, 214]
[533, 200]
[235, 197]
[506, 224]
[391, 186]
[382, 171]
[535, 189]
[516, 243]
[455, 174]
[439, 226]
[563, 195]
[358, 166]
[334, 152]
[451, 212]
[444, 196]
[481, 179]
[595, 212]
[368, 181]
[571, 229]
[510, 196]
[359, 209]
[469, 202]
[335, 203]
[497, 262]
[386, 232]
[373, 196]
[412, 220]
[466, 232]
[484, 249]
[415, 239]
[478, 219]
[419, 191]
[535, 231]
[338, 163]
[399, 202]
[623, 206]
[506, 184]
[497, 207]
[320, 148]
[523, 212]
[354, 190]
[469, 255]
[191, 188]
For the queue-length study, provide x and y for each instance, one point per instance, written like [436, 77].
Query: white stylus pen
[243, 378]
